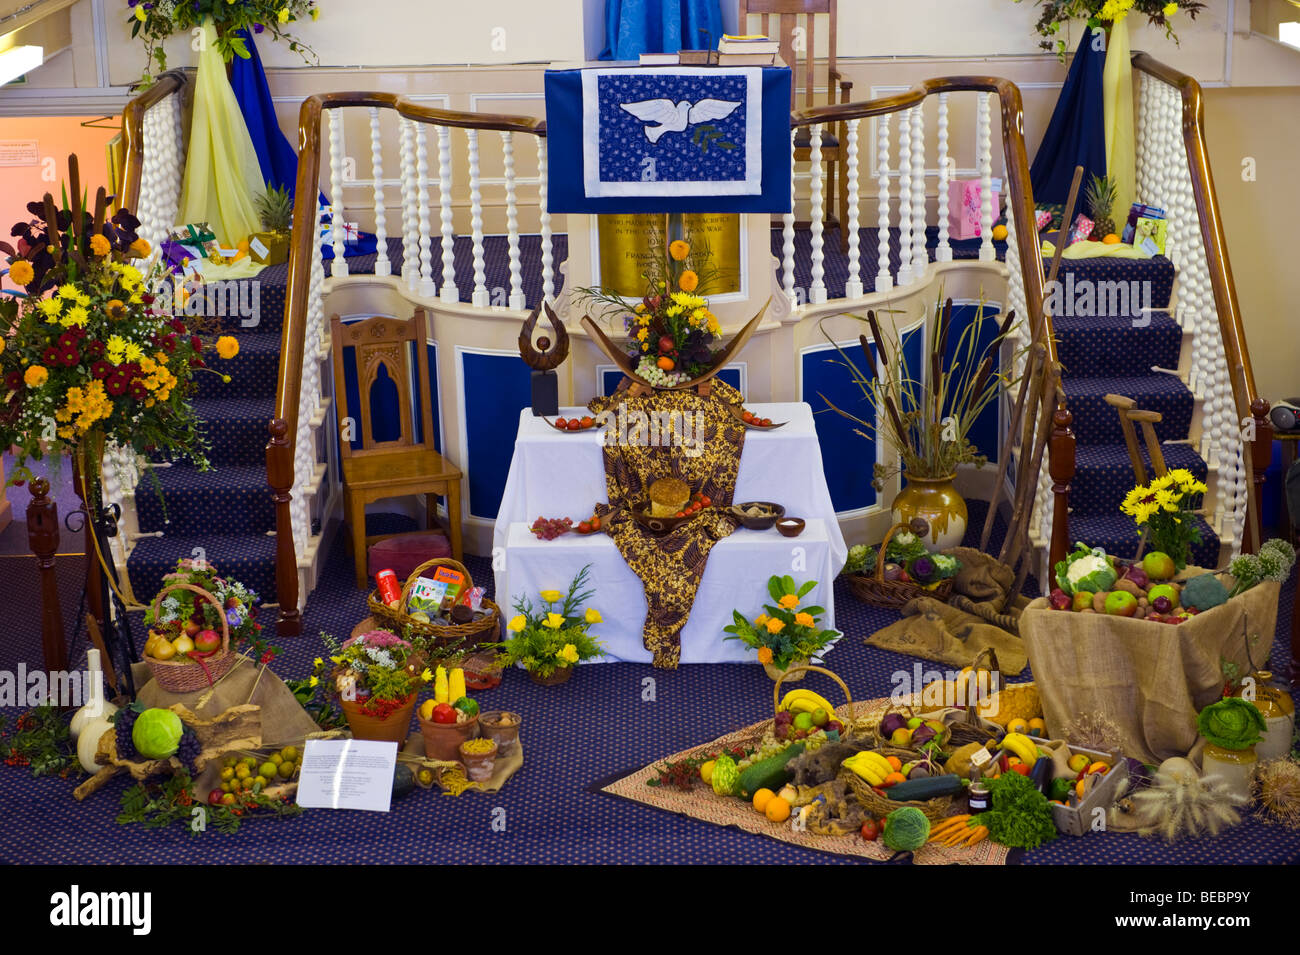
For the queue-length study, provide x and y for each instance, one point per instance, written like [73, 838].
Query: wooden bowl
[593, 426]
[790, 526]
[739, 414]
[761, 523]
[660, 525]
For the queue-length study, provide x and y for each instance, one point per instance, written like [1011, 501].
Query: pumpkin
[88, 743]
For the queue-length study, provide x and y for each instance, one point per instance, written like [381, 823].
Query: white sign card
[347, 774]
[20, 152]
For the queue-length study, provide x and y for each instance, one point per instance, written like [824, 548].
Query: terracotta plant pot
[558, 676]
[479, 766]
[938, 503]
[503, 728]
[394, 729]
[442, 740]
[775, 672]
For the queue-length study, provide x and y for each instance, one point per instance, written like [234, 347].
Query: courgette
[769, 773]
[932, 788]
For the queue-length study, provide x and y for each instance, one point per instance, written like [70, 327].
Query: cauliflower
[1087, 569]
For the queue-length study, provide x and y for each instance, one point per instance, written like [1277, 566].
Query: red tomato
[561, 423]
[748, 417]
[587, 421]
[584, 528]
[1022, 768]
[575, 425]
[871, 830]
[706, 502]
[443, 713]
[680, 514]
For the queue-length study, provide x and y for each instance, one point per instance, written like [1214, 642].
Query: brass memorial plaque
[626, 244]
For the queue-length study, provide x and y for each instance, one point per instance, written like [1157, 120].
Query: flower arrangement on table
[188, 623]
[1164, 512]
[1100, 13]
[88, 353]
[785, 633]
[672, 330]
[554, 637]
[159, 19]
[377, 670]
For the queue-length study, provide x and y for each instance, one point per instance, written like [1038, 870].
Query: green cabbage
[1087, 569]
[157, 733]
[906, 829]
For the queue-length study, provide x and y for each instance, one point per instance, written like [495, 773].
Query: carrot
[947, 827]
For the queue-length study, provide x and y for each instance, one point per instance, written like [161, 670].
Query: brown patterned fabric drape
[670, 565]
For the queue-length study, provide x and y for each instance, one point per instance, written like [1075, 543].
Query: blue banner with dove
[668, 139]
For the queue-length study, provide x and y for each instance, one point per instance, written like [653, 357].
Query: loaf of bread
[668, 496]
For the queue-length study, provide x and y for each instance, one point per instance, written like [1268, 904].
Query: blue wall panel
[496, 388]
[984, 432]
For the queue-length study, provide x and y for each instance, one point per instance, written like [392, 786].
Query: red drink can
[389, 588]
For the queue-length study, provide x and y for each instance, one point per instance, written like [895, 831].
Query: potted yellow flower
[786, 634]
[549, 640]
[1164, 512]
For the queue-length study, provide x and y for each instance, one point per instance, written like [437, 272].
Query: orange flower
[679, 250]
[227, 346]
[775, 625]
[764, 654]
[688, 281]
[35, 376]
[804, 619]
[21, 272]
[789, 601]
[141, 248]
[115, 309]
[99, 245]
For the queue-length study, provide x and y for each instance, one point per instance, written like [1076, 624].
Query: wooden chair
[834, 147]
[399, 466]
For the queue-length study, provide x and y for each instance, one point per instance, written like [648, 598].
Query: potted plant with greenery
[550, 639]
[376, 677]
[785, 634]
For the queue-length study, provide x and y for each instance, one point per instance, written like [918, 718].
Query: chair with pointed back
[390, 461]
[803, 15]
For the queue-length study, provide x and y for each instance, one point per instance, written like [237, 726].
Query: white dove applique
[674, 118]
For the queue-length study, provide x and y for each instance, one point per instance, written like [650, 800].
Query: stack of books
[753, 50]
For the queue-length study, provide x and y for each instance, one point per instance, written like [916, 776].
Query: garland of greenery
[40, 740]
[1102, 13]
[159, 806]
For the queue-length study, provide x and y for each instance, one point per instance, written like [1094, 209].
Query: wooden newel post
[1261, 456]
[1060, 465]
[43, 537]
[279, 470]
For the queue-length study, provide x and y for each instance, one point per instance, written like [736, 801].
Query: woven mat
[701, 803]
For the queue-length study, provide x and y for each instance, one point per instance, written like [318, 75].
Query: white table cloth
[735, 578]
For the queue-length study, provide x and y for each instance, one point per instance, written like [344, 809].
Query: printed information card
[347, 774]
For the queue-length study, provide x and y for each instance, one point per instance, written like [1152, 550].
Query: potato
[1099, 601]
[1126, 584]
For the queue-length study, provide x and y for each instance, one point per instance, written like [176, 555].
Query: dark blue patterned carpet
[576, 737]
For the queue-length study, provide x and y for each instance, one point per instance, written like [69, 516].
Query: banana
[865, 769]
[1022, 746]
[805, 701]
[877, 762]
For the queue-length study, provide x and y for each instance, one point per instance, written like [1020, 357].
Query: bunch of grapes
[549, 528]
[188, 751]
[651, 372]
[123, 726]
[766, 747]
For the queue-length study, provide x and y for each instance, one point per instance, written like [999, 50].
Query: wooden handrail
[1246, 397]
[173, 81]
[283, 428]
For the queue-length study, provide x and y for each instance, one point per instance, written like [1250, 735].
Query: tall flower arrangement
[156, 20]
[88, 353]
[556, 634]
[1163, 510]
[1101, 13]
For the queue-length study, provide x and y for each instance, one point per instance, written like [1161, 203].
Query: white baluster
[340, 266]
[905, 199]
[944, 251]
[516, 299]
[884, 280]
[548, 266]
[853, 287]
[920, 254]
[449, 291]
[984, 151]
[427, 288]
[787, 235]
[382, 265]
[481, 296]
[410, 208]
[817, 290]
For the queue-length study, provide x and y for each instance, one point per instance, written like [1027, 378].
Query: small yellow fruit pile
[257, 773]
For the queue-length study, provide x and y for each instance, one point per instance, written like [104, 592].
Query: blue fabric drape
[633, 27]
[1076, 135]
[275, 155]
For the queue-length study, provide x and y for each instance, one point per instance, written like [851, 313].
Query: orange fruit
[777, 809]
[1111, 239]
[999, 233]
[892, 779]
[666, 363]
[762, 798]
[894, 762]
[1098, 768]
[1038, 724]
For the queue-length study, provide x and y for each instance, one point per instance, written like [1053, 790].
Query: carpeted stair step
[233, 497]
[248, 558]
[1158, 272]
[236, 428]
[253, 372]
[1096, 422]
[1103, 474]
[1117, 535]
[1114, 346]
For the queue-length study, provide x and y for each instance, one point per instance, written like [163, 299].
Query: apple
[1082, 601]
[834, 726]
[820, 717]
[914, 722]
[1121, 603]
[901, 737]
[191, 628]
[1059, 599]
[1159, 565]
[1078, 762]
[214, 797]
[666, 344]
[207, 641]
[1169, 591]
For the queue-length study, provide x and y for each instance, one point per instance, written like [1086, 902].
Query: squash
[88, 743]
[1012, 702]
[770, 773]
[922, 789]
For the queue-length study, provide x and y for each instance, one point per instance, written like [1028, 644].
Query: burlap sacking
[1150, 679]
[932, 630]
[981, 577]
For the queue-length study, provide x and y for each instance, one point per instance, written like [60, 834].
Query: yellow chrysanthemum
[426, 675]
[775, 625]
[283, 15]
[227, 346]
[1170, 9]
[688, 281]
[550, 596]
[313, 682]
[674, 310]
[592, 615]
[77, 315]
[35, 376]
[642, 334]
[804, 619]
[50, 308]
[789, 601]
[679, 250]
[517, 624]
[68, 290]
[83, 300]
[760, 620]
[99, 245]
[318, 662]
[133, 352]
[21, 272]
[553, 620]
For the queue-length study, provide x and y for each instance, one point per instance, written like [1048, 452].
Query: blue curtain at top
[275, 155]
[1076, 136]
[633, 27]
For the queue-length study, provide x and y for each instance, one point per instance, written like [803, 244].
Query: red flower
[177, 326]
[146, 298]
[67, 340]
[196, 343]
[198, 363]
[169, 344]
[117, 383]
[267, 657]
[70, 357]
[101, 369]
[94, 349]
[14, 380]
[138, 391]
[51, 356]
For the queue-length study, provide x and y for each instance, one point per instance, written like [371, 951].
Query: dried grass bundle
[1095, 730]
[1277, 788]
[1174, 808]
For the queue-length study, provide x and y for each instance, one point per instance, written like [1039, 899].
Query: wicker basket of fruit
[880, 793]
[905, 732]
[185, 663]
[482, 627]
[798, 710]
[894, 587]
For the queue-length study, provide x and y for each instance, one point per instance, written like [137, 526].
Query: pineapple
[275, 209]
[1100, 199]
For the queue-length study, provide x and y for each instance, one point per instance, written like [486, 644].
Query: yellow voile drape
[1117, 95]
[222, 174]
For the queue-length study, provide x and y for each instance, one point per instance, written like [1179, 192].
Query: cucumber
[767, 774]
[935, 786]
